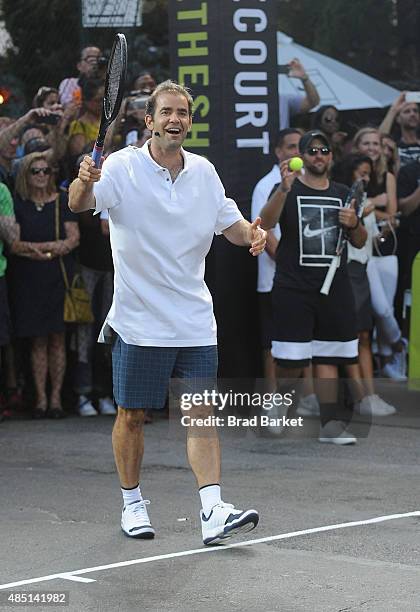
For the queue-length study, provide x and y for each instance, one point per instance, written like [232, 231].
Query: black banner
[225, 51]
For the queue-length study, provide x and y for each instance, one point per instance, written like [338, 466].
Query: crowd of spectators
[387, 158]
[39, 157]
[41, 241]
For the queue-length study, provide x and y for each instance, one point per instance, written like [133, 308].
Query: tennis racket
[357, 192]
[114, 89]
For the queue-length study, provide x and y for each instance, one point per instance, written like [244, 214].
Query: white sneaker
[373, 405]
[393, 370]
[334, 432]
[308, 406]
[135, 521]
[86, 408]
[106, 406]
[275, 425]
[225, 521]
[399, 360]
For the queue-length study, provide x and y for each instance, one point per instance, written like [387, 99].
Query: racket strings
[116, 69]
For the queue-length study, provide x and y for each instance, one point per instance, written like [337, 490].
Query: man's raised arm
[272, 210]
[81, 196]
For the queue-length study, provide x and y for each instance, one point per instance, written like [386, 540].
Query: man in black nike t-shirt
[308, 326]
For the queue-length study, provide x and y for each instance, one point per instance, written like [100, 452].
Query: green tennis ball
[295, 164]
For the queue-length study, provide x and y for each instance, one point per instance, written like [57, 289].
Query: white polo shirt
[160, 235]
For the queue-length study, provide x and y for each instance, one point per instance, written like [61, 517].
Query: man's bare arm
[9, 230]
[271, 212]
[243, 233]
[312, 96]
[14, 129]
[358, 236]
[81, 195]
[409, 204]
[394, 109]
[356, 231]
[271, 244]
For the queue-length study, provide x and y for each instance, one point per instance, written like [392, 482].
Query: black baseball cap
[307, 139]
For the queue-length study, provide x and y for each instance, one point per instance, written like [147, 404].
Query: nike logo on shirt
[311, 233]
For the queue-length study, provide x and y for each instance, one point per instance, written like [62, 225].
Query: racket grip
[325, 289]
[97, 155]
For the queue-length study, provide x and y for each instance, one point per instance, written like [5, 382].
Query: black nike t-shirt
[310, 231]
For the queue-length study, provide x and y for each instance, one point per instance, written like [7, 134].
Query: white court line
[76, 578]
[72, 575]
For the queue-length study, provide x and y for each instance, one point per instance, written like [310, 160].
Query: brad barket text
[266, 401]
[262, 420]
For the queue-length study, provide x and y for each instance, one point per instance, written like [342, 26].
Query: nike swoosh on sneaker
[311, 233]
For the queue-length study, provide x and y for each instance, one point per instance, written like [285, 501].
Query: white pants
[383, 277]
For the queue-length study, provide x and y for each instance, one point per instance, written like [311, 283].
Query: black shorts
[309, 326]
[361, 291]
[265, 316]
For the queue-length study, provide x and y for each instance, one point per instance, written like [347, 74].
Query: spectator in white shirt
[287, 146]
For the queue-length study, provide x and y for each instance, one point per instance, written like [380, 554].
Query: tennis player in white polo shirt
[164, 204]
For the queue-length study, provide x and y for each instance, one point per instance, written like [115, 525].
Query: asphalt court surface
[60, 511]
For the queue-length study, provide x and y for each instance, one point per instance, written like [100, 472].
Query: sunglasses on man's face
[35, 171]
[312, 151]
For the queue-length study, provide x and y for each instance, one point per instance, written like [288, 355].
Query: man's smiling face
[171, 120]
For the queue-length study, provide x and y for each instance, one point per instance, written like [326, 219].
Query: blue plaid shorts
[141, 374]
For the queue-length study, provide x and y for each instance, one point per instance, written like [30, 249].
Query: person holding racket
[165, 205]
[309, 326]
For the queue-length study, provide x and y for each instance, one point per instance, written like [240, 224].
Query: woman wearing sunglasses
[37, 287]
[327, 120]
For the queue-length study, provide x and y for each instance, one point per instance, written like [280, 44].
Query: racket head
[357, 193]
[114, 90]
[115, 78]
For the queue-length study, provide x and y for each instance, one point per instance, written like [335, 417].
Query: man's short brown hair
[169, 87]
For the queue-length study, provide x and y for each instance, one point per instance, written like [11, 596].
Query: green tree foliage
[45, 37]
[408, 25]
[148, 45]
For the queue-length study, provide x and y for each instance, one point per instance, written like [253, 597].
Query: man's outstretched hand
[257, 238]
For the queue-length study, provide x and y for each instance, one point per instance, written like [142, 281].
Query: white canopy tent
[337, 84]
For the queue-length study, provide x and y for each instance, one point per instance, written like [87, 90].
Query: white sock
[131, 495]
[210, 496]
